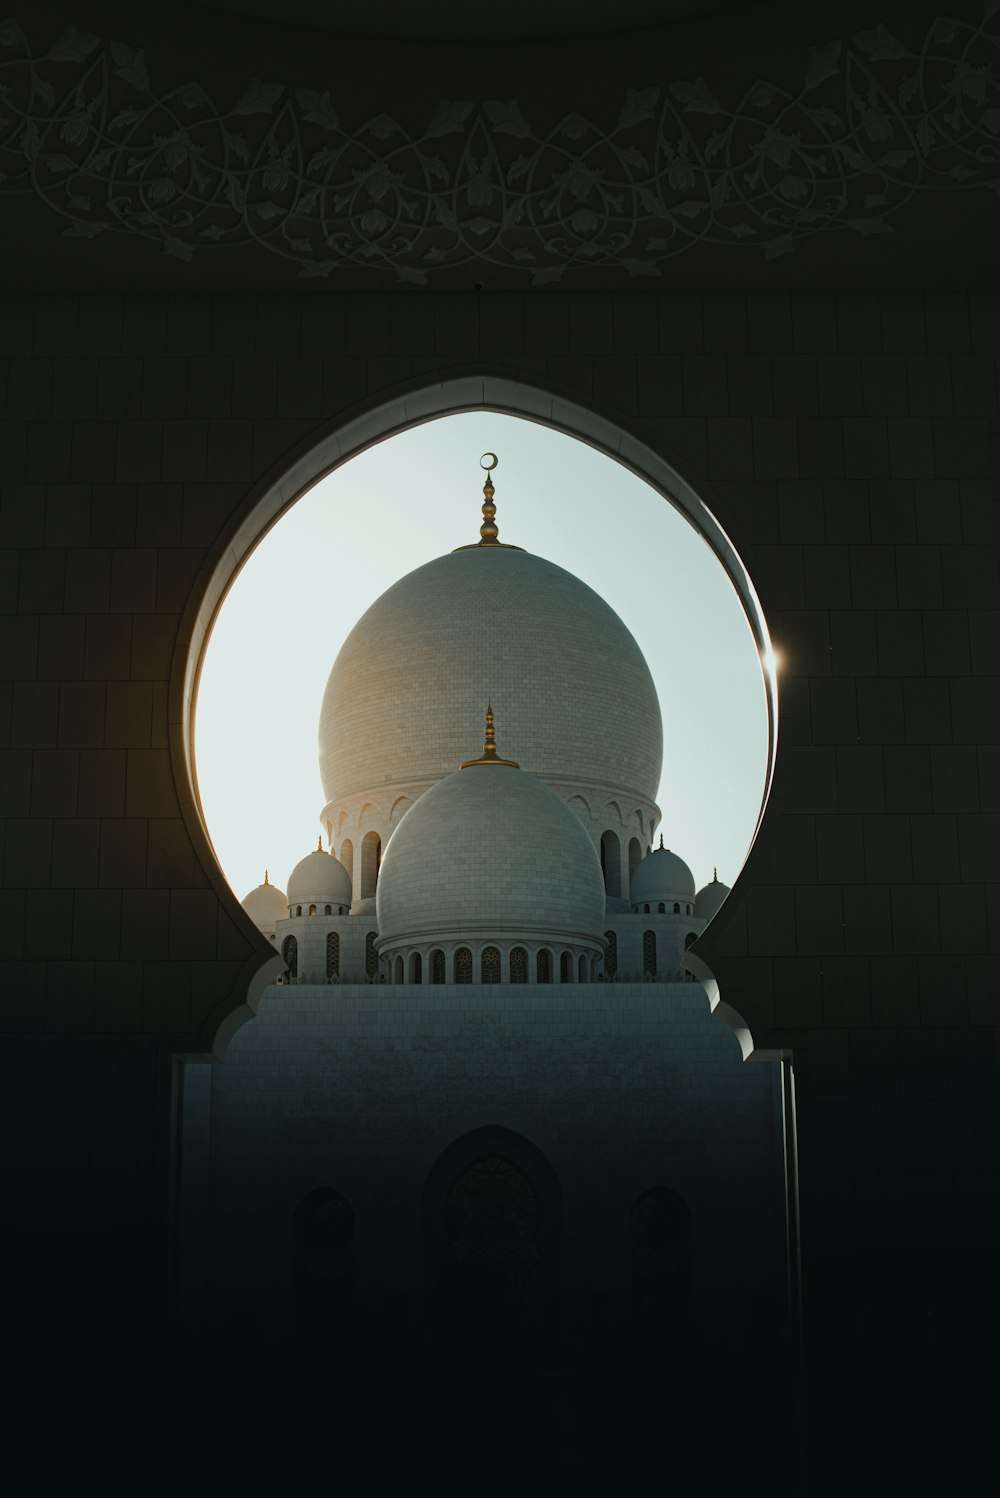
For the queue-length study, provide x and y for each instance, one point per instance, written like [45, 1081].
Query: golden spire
[489, 754]
[319, 843]
[488, 532]
[266, 879]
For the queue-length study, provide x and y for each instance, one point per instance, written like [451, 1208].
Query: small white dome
[490, 851]
[661, 876]
[265, 905]
[708, 900]
[319, 879]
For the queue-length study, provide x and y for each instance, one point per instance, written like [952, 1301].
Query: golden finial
[489, 755]
[488, 533]
[715, 876]
[266, 879]
[319, 843]
[661, 839]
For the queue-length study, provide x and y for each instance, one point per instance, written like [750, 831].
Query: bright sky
[408, 500]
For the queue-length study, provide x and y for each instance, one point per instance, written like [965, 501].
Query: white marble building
[484, 997]
[579, 714]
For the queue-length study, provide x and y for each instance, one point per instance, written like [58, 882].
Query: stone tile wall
[360, 1088]
[848, 444]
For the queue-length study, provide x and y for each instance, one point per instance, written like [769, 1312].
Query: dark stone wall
[849, 445]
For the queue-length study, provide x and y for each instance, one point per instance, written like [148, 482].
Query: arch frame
[481, 386]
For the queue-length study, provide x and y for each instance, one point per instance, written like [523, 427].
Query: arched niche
[491, 1213]
[375, 420]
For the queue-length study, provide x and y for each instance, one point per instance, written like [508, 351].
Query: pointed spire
[490, 756]
[488, 533]
[319, 843]
[715, 876]
[490, 738]
[661, 839]
[266, 878]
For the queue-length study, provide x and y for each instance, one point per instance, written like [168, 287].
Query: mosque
[479, 1071]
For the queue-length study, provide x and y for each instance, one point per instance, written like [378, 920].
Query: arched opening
[660, 909]
[543, 966]
[610, 954]
[371, 956]
[347, 858]
[518, 965]
[416, 968]
[634, 858]
[485, 390]
[322, 1263]
[333, 954]
[437, 966]
[492, 1213]
[328, 910]
[583, 970]
[491, 965]
[312, 910]
[371, 859]
[565, 968]
[398, 810]
[463, 965]
[398, 970]
[611, 864]
[660, 1230]
[649, 953]
[290, 955]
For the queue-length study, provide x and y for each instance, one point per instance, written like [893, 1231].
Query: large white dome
[567, 679]
[490, 851]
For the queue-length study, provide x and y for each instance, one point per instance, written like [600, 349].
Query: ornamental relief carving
[875, 121]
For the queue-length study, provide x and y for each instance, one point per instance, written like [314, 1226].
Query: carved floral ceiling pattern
[876, 120]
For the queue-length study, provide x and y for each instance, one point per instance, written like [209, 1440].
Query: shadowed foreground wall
[847, 443]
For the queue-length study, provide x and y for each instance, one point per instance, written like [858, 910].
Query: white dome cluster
[499, 871]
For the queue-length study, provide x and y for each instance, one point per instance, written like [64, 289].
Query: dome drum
[491, 958]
